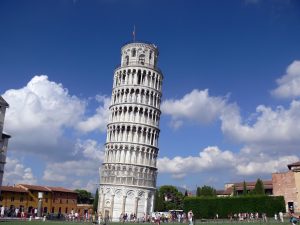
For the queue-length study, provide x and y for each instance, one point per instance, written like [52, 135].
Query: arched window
[127, 59]
[142, 59]
[133, 52]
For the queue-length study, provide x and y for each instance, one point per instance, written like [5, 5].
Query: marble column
[99, 201]
[112, 206]
[152, 202]
[146, 204]
[136, 205]
[123, 204]
[103, 204]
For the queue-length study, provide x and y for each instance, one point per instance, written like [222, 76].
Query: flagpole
[133, 33]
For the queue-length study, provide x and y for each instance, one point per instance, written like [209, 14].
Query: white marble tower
[128, 173]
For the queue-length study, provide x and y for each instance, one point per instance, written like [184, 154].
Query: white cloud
[78, 173]
[274, 131]
[289, 84]
[44, 119]
[270, 136]
[53, 175]
[39, 113]
[90, 149]
[178, 176]
[43, 116]
[215, 161]
[42, 111]
[99, 120]
[263, 165]
[69, 171]
[209, 158]
[15, 173]
[195, 106]
[272, 127]
[91, 186]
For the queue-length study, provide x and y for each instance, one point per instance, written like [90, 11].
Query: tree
[159, 205]
[96, 199]
[84, 197]
[186, 193]
[259, 188]
[206, 191]
[172, 198]
[245, 192]
[234, 190]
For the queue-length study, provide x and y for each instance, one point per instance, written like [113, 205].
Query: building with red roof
[57, 200]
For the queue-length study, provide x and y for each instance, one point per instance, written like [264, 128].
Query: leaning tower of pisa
[128, 173]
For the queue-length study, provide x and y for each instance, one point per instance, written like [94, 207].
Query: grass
[227, 222]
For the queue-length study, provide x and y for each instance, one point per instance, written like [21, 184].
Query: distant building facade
[287, 184]
[3, 138]
[239, 188]
[55, 200]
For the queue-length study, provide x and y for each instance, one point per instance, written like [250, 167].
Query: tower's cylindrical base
[116, 201]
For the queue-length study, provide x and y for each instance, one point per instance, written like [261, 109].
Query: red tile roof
[224, 192]
[251, 185]
[61, 189]
[45, 188]
[12, 189]
[34, 187]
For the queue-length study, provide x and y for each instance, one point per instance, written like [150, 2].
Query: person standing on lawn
[190, 217]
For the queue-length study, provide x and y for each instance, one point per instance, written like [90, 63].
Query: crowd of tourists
[188, 218]
[156, 218]
[78, 217]
[252, 217]
[16, 212]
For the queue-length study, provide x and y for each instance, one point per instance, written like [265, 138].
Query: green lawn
[197, 223]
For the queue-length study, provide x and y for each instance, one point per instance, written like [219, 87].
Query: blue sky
[230, 92]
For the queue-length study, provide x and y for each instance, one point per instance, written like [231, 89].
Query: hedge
[207, 207]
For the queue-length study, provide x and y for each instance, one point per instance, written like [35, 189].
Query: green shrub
[207, 207]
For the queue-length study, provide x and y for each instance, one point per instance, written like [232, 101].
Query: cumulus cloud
[269, 137]
[39, 112]
[279, 126]
[90, 149]
[289, 84]
[268, 129]
[78, 173]
[265, 165]
[214, 160]
[99, 119]
[69, 171]
[15, 172]
[195, 106]
[210, 158]
[43, 115]
[44, 119]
